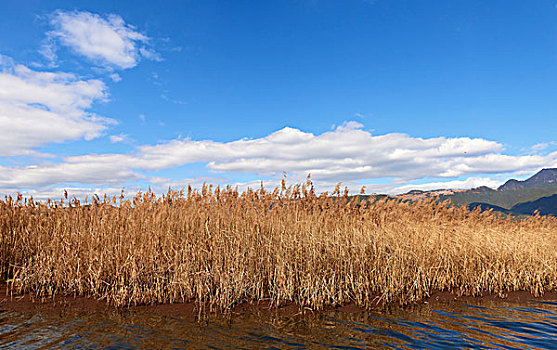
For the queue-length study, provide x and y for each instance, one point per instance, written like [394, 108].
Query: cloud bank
[348, 153]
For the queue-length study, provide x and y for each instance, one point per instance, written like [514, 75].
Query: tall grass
[218, 247]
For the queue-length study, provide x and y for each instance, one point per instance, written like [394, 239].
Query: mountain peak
[545, 176]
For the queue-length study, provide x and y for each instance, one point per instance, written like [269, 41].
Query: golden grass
[220, 248]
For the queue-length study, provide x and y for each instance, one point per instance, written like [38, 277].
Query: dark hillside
[484, 206]
[545, 206]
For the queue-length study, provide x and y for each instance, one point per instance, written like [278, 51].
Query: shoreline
[80, 304]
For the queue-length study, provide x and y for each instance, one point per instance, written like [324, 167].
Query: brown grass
[220, 248]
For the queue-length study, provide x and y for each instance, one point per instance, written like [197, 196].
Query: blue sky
[390, 94]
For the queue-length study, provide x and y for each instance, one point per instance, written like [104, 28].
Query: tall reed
[218, 247]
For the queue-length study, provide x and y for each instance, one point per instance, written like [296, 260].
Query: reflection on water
[496, 325]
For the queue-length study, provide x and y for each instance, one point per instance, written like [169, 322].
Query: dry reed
[218, 247]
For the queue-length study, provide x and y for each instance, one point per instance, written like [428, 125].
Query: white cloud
[150, 54]
[81, 193]
[6, 61]
[118, 138]
[98, 174]
[542, 146]
[48, 50]
[471, 182]
[347, 153]
[106, 40]
[115, 77]
[42, 107]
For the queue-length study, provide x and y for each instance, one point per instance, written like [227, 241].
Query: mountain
[539, 192]
[502, 198]
[513, 192]
[544, 205]
[542, 178]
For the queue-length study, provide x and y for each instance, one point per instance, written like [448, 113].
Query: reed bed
[219, 247]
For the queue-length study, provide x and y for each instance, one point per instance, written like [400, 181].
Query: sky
[391, 94]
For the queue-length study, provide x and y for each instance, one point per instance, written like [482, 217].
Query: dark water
[493, 325]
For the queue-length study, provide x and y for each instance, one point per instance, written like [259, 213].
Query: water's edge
[27, 303]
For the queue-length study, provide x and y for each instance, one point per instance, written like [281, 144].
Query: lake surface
[485, 325]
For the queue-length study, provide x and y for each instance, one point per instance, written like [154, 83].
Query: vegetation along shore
[218, 248]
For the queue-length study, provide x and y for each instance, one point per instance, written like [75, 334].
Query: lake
[474, 325]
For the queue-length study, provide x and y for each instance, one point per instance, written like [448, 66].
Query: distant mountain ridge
[502, 198]
[542, 178]
[539, 192]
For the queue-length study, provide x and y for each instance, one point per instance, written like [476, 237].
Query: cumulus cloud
[41, 107]
[106, 40]
[348, 153]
